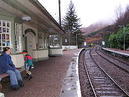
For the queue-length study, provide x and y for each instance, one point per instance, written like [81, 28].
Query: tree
[71, 25]
[71, 21]
[119, 39]
[79, 38]
[122, 17]
[120, 30]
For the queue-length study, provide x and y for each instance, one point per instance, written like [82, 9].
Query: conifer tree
[71, 21]
[71, 26]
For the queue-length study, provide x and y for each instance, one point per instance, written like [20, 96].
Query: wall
[69, 47]
[55, 52]
[18, 60]
[40, 55]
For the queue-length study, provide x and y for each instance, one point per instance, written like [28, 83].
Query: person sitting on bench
[7, 66]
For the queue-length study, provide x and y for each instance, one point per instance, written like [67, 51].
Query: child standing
[28, 64]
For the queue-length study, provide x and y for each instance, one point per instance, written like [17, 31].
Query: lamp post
[76, 37]
[76, 40]
[123, 29]
[124, 37]
[59, 2]
[110, 35]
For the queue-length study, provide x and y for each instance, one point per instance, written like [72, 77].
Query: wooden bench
[4, 75]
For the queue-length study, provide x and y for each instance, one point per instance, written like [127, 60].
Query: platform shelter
[27, 25]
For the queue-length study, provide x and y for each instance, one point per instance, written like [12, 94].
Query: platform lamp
[124, 37]
[26, 18]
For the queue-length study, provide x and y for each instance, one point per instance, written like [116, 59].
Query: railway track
[117, 62]
[86, 89]
[101, 83]
[116, 58]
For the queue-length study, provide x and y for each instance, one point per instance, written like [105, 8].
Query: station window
[18, 37]
[43, 42]
[54, 41]
[5, 34]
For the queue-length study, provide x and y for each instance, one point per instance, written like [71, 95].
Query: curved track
[114, 57]
[101, 83]
[115, 61]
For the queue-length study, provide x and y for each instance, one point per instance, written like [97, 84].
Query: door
[30, 43]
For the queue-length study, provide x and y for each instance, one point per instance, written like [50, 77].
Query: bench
[4, 75]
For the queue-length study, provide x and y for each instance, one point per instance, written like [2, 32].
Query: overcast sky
[89, 11]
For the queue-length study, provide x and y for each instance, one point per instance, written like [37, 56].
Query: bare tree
[122, 17]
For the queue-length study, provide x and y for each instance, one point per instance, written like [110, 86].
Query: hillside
[93, 28]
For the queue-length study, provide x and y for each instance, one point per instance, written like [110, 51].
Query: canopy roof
[31, 8]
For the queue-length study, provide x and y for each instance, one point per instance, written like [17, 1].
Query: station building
[26, 25]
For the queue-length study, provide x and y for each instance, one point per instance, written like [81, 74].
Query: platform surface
[47, 79]
[118, 51]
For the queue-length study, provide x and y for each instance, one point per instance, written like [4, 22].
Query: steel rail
[127, 94]
[88, 75]
[113, 62]
[122, 61]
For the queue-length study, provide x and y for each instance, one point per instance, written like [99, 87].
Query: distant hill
[94, 32]
[93, 28]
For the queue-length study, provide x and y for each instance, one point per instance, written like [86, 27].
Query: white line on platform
[71, 85]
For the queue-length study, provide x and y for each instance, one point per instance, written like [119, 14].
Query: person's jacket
[28, 60]
[6, 63]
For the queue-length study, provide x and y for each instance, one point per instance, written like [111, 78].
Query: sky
[89, 11]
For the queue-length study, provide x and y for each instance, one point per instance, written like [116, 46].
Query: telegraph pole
[59, 2]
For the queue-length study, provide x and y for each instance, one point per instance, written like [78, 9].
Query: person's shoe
[15, 87]
[30, 77]
[21, 84]
[26, 76]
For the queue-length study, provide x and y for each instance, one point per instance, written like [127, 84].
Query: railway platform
[50, 78]
[118, 51]
[122, 53]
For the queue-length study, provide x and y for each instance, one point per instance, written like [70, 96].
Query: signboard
[103, 42]
[84, 43]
